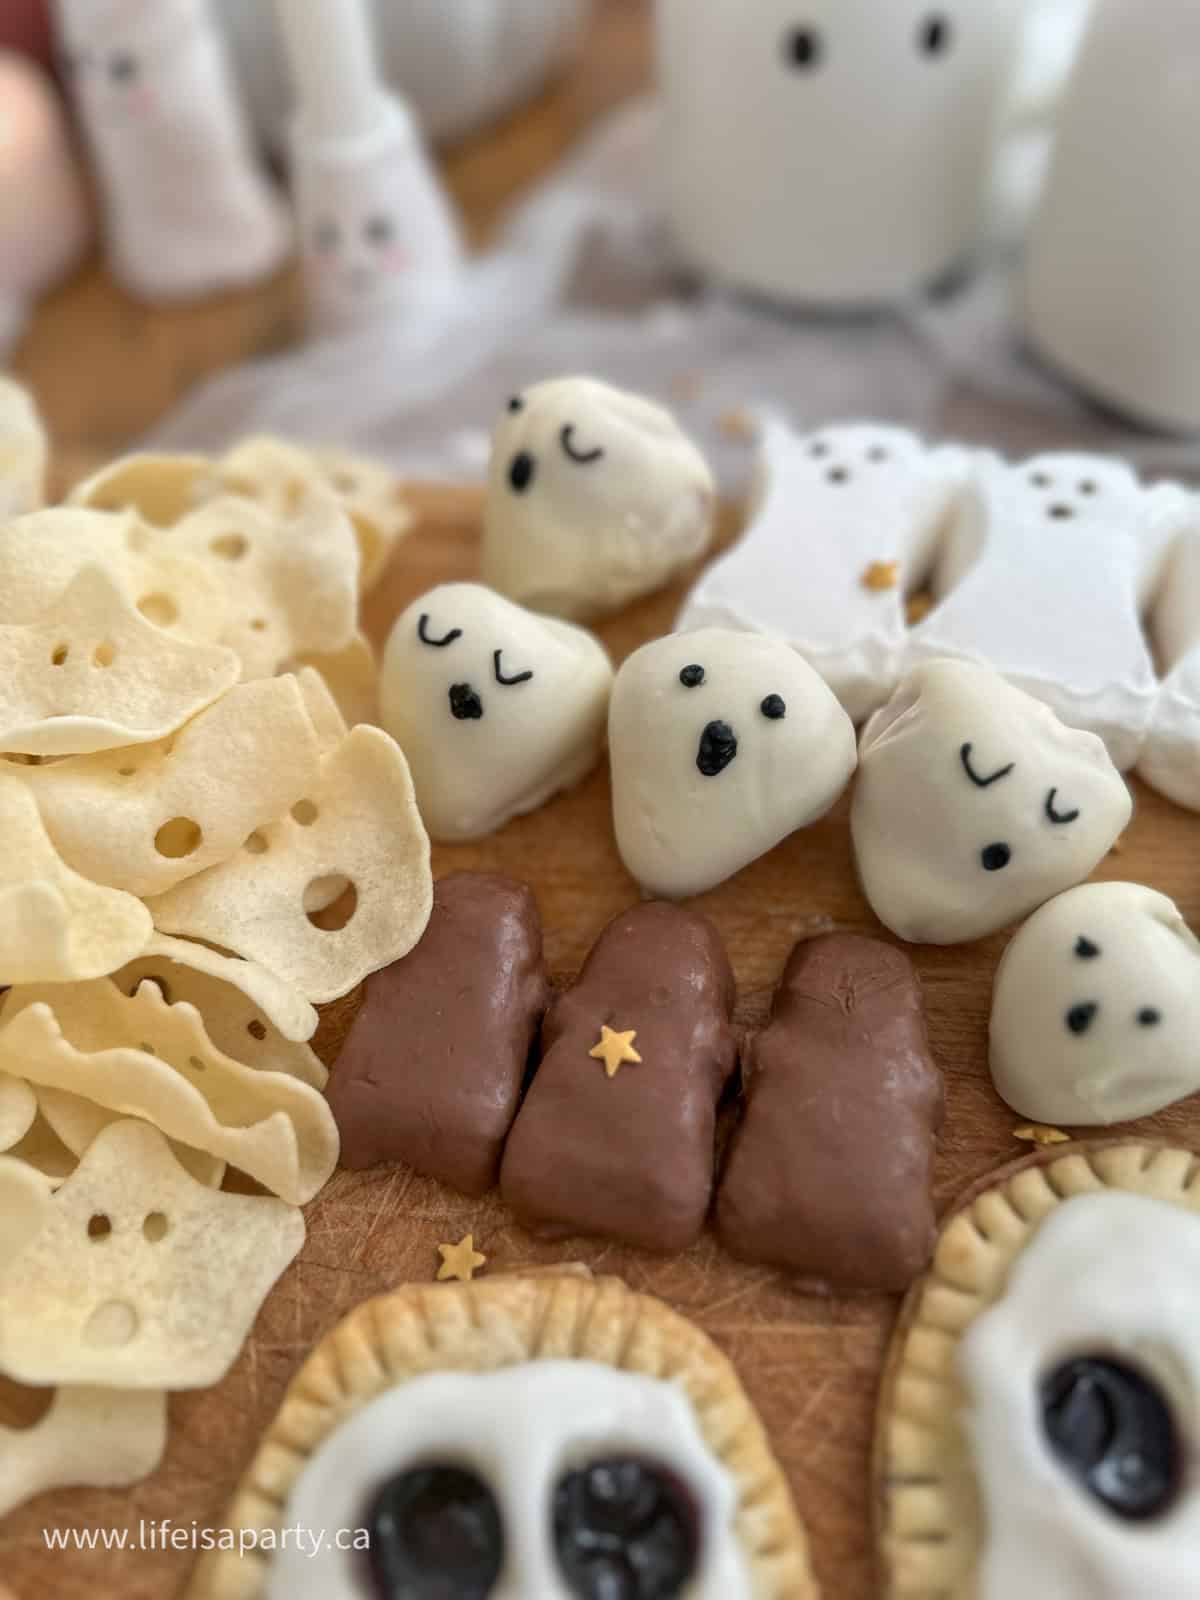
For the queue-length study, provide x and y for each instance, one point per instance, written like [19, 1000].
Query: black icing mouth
[465, 704]
[522, 472]
[718, 748]
[1111, 1428]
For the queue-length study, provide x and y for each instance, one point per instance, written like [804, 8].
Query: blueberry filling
[1111, 1428]
[625, 1530]
[435, 1535]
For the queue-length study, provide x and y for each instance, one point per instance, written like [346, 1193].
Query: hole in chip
[22, 1408]
[155, 1227]
[330, 903]
[159, 609]
[111, 1326]
[178, 838]
[59, 658]
[126, 772]
[256, 845]
[99, 1227]
[230, 546]
[305, 813]
[257, 1030]
[196, 1064]
[104, 654]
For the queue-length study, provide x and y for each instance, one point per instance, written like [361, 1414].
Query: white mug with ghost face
[1114, 257]
[834, 152]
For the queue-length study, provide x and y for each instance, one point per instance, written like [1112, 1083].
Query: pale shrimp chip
[249, 1014]
[323, 709]
[24, 452]
[141, 1057]
[140, 1277]
[338, 889]
[351, 677]
[160, 489]
[18, 1109]
[291, 588]
[56, 927]
[145, 819]
[25, 1195]
[91, 1438]
[92, 674]
[78, 1123]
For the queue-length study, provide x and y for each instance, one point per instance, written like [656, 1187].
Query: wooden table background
[104, 369]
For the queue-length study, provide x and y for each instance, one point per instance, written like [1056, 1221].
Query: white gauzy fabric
[187, 210]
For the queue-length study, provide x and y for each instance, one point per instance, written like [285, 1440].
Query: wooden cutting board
[811, 1365]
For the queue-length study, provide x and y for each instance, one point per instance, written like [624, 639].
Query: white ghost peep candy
[497, 709]
[845, 527]
[1096, 1008]
[722, 745]
[974, 804]
[596, 497]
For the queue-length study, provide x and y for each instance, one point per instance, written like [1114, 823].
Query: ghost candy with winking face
[496, 709]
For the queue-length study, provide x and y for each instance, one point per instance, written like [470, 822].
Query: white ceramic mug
[831, 152]
[1113, 275]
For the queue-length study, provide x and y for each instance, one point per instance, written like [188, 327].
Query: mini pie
[1043, 1382]
[511, 1379]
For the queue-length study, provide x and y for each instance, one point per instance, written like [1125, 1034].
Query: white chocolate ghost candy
[187, 210]
[1096, 1008]
[846, 526]
[834, 151]
[722, 745]
[1080, 1392]
[1170, 759]
[496, 708]
[974, 804]
[596, 497]
[1045, 574]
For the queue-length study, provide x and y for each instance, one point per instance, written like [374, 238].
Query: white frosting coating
[1045, 573]
[680, 831]
[512, 744]
[1110, 1274]
[830, 505]
[925, 828]
[1135, 1052]
[520, 1429]
[618, 499]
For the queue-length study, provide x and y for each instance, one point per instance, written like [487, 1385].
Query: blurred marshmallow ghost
[378, 235]
[833, 152]
[187, 210]
[1114, 258]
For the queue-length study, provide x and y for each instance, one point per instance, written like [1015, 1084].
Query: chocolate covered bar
[432, 1070]
[829, 1171]
[616, 1134]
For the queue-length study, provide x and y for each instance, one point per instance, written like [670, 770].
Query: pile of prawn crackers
[201, 843]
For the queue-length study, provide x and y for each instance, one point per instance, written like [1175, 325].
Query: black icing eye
[774, 708]
[995, 857]
[426, 637]
[517, 677]
[802, 48]
[692, 677]
[517, 403]
[123, 68]
[1086, 950]
[326, 237]
[1059, 818]
[625, 1530]
[1081, 1017]
[1111, 1428]
[522, 472]
[936, 35]
[379, 230]
[435, 1531]
[582, 456]
[1149, 1017]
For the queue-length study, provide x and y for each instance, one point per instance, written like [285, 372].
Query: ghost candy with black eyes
[514, 1439]
[596, 497]
[1096, 1008]
[1038, 1420]
[974, 804]
[495, 708]
[723, 744]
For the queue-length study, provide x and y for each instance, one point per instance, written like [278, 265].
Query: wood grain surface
[811, 1365]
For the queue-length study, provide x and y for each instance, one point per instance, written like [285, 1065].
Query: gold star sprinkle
[1037, 1133]
[881, 575]
[460, 1261]
[615, 1049]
